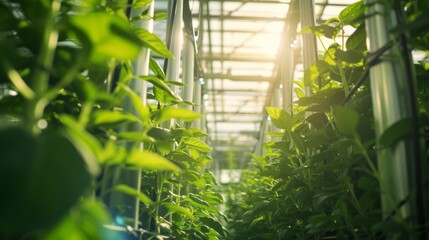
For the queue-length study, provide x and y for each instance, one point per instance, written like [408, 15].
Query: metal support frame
[175, 43]
[389, 101]
[309, 44]
[188, 68]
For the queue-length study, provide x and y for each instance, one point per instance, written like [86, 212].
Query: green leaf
[160, 16]
[357, 39]
[197, 144]
[160, 84]
[108, 35]
[103, 117]
[397, 131]
[150, 160]
[140, 3]
[133, 192]
[349, 56]
[156, 69]
[323, 30]
[178, 209]
[141, 109]
[89, 146]
[135, 136]
[352, 13]
[194, 178]
[329, 56]
[347, 120]
[159, 133]
[177, 113]
[152, 42]
[41, 178]
[196, 200]
[280, 118]
[86, 221]
[213, 223]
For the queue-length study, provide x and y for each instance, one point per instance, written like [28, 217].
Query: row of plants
[318, 178]
[65, 73]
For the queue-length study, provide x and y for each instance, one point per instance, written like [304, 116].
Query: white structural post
[198, 102]
[309, 44]
[276, 101]
[132, 178]
[286, 77]
[188, 67]
[173, 67]
[389, 100]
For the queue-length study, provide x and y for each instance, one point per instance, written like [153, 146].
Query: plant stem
[159, 186]
[366, 156]
[40, 79]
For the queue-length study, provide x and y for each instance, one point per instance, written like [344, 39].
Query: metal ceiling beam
[235, 113]
[243, 18]
[233, 121]
[249, 78]
[238, 57]
[236, 90]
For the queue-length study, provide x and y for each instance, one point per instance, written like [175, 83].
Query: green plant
[321, 179]
[65, 71]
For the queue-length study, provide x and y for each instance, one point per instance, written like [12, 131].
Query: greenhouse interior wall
[214, 119]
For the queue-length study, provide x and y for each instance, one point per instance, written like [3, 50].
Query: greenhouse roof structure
[238, 49]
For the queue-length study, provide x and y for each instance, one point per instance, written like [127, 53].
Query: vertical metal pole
[276, 102]
[309, 44]
[132, 178]
[286, 78]
[173, 67]
[198, 102]
[188, 68]
[389, 101]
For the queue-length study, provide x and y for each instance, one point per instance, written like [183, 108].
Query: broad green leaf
[103, 117]
[86, 221]
[136, 136]
[113, 154]
[323, 30]
[349, 56]
[197, 144]
[161, 85]
[159, 133]
[204, 159]
[352, 13]
[397, 131]
[181, 156]
[160, 16]
[194, 178]
[108, 35]
[173, 208]
[357, 39]
[347, 120]
[195, 199]
[90, 146]
[153, 42]
[141, 109]
[213, 223]
[165, 98]
[156, 69]
[133, 192]
[34, 173]
[177, 113]
[280, 118]
[117, 4]
[150, 160]
[140, 3]
[329, 56]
